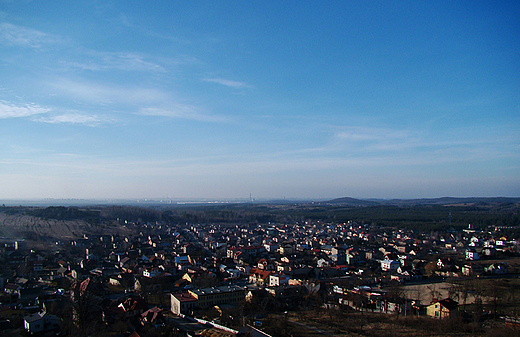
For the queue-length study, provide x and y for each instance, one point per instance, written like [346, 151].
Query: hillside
[54, 223]
[23, 226]
[423, 201]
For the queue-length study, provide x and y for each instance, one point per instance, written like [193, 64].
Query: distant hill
[352, 202]
[347, 201]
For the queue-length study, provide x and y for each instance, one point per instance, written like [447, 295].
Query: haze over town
[107, 99]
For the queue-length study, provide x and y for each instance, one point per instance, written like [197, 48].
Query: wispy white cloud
[418, 147]
[74, 118]
[147, 101]
[107, 94]
[104, 61]
[230, 166]
[228, 83]
[367, 139]
[21, 36]
[177, 111]
[8, 110]
[181, 111]
[363, 134]
[90, 59]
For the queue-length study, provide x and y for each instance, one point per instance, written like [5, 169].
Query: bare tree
[434, 293]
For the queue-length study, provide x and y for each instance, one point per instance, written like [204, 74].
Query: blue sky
[294, 99]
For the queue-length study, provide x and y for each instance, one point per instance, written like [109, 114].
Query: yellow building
[442, 309]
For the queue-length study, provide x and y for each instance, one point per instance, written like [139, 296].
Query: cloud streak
[20, 36]
[228, 83]
[369, 134]
[396, 147]
[180, 111]
[107, 94]
[74, 118]
[8, 110]
[147, 101]
[106, 61]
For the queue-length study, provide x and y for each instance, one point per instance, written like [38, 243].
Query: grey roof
[34, 317]
[216, 290]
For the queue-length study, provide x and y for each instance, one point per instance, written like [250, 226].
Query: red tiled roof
[448, 303]
[184, 297]
[131, 304]
[263, 274]
[151, 314]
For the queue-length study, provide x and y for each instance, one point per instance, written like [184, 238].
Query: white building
[472, 255]
[389, 265]
[271, 247]
[276, 280]
[41, 321]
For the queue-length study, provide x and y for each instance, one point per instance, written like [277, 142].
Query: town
[147, 272]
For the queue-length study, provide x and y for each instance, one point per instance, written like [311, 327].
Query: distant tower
[450, 218]
[250, 197]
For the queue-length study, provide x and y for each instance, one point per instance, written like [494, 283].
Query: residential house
[472, 269]
[442, 308]
[152, 316]
[276, 280]
[271, 247]
[259, 277]
[133, 307]
[251, 250]
[389, 265]
[352, 258]
[183, 303]
[472, 255]
[40, 322]
[286, 250]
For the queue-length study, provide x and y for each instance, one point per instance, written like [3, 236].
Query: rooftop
[216, 290]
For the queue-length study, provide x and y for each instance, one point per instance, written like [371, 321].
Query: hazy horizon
[73, 202]
[298, 100]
